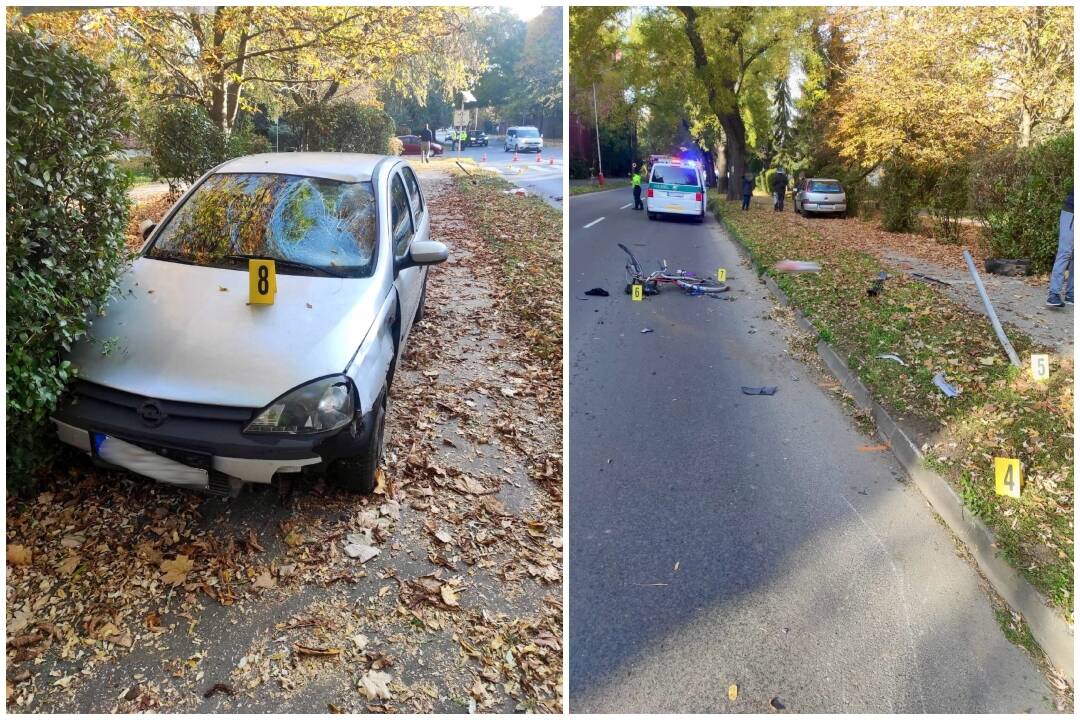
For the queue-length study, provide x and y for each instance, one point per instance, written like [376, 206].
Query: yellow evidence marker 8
[1007, 476]
[1040, 367]
[262, 282]
[721, 274]
[637, 292]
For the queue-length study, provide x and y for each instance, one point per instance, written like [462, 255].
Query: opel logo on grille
[150, 413]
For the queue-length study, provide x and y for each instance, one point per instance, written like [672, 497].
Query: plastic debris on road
[892, 356]
[646, 330]
[597, 292]
[518, 191]
[944, 386]
[796, 266]
[764, 390]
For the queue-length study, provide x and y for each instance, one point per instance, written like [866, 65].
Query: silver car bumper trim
[251, 470]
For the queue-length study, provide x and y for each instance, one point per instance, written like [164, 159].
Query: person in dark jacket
[779, 188]
[425, 143]
[747, 190]
[1064, 261]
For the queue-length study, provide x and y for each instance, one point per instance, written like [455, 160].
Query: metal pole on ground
[1002, 338]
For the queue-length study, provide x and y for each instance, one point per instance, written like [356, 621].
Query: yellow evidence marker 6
[637, 292]
[262, 282]
[1007, 476]
[1040, 367]
[721, 274]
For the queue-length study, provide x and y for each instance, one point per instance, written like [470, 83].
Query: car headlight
[321, 405]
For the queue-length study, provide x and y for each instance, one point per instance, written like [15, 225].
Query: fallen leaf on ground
[19, 555]
[374, 685]
[176, 571]
[732, 692]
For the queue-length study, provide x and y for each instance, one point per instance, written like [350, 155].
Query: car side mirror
[146, 227]
[424, 252]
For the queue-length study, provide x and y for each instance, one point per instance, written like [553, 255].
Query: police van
[675, 187]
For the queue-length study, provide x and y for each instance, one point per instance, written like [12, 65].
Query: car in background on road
[410, 145]
[258, 329]
[443, 135]
[675, 187]
[477, 138]
[820, 195]
[525, 138]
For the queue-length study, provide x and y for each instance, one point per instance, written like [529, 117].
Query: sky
[527, 12]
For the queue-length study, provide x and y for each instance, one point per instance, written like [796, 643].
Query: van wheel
[652, 216]
[357, 474]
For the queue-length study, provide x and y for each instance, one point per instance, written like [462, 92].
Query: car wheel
[420, 305]
[652, 216]
[358, 474]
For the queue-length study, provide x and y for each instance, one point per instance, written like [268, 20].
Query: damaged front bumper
[192, 445]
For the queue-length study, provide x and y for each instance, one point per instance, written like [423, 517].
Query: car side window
[400, 219]
[416, 198]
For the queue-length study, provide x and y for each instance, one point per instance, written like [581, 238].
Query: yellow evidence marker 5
[262, 282]
[1007, 476]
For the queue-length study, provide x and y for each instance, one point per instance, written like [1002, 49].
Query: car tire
[420, 305]
[358, 474]
[652, 216]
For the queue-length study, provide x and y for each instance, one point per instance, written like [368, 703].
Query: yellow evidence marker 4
[1007, 476]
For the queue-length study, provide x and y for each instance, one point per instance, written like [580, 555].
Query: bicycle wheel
[705, 286]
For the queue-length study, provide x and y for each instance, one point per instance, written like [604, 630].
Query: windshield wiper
[290, 264]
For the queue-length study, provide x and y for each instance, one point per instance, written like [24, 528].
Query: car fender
[371, 363]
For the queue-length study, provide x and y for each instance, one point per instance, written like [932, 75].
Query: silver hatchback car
[258, 329]
[820, 195]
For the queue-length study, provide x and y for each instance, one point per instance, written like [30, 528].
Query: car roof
[343, 167]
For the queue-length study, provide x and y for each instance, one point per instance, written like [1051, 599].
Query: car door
[409, 281]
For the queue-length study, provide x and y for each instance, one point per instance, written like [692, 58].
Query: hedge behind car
[66, 214]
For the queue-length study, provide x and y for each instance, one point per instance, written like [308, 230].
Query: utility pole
[596, 123]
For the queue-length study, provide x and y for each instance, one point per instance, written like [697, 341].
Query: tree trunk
[720, 173]
[735, 147]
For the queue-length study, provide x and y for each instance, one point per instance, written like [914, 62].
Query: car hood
[183, 332]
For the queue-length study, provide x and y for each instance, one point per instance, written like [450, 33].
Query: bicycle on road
[689, 282]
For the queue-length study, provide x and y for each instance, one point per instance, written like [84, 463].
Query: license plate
[189, 469]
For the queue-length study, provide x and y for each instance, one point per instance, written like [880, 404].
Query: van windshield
[528, 132]
[675, 175]
[309, 224]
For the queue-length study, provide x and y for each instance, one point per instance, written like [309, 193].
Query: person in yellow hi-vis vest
[635, 180]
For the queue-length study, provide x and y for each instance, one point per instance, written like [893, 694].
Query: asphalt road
[543, 179]
[718, 538]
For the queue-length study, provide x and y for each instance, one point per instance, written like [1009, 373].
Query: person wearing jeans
[425, 143]
[1064, 260]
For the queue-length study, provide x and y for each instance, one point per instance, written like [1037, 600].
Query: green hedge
[183, 142]
[1018, 195]
[66, 216]
[345, 126]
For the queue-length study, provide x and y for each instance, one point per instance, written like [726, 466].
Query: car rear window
[825, 186]
[322, 223]
[674, 175]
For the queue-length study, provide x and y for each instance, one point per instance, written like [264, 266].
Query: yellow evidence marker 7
[721, 274]
[1040, 367]
[637, 292]
[262, 282]
[1007, 476]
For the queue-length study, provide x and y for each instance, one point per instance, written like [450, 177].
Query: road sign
[1007, 476]
[461, 118]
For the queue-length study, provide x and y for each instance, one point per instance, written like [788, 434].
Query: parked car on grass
[410, 145]
[820, 195]
[258, 330]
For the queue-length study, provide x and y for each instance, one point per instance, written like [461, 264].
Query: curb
[1053, 634]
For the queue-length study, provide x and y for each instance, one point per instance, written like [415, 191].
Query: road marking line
[593, 223]
[626, 206]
